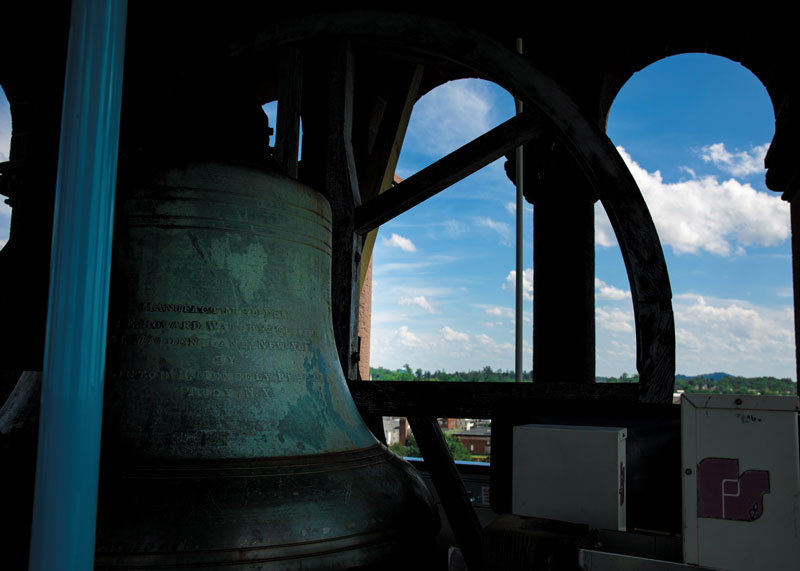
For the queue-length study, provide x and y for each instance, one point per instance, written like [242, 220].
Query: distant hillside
[721, 383]
[707, 383]
[710, 376]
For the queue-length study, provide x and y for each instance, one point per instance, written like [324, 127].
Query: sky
[693, 130]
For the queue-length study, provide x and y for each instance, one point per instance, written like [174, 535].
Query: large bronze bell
[230, 439]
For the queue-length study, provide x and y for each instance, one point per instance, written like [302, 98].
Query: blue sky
[694, 130]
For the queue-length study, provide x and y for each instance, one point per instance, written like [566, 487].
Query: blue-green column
[65, 505]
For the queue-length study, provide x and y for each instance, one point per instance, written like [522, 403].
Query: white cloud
[451, 335]
[613, 319]
[406, 337]
[733, 335]
[527, 283]
[454, 228]
[705, 214]
[502, 229]
[500, 311]
[605, 291]
[618, 351]
[603, 231]
[740, 163]
[390, 317]
[450, 116]
[419, 301]
[397, 241]
[512, 207]
[492, 345]
[730, 335]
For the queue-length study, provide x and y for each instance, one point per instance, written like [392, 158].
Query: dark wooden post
[287, 128]
[563, 264]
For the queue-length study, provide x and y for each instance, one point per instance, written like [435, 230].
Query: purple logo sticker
[723, 493]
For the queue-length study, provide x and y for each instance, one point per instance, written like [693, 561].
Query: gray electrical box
[570, 473]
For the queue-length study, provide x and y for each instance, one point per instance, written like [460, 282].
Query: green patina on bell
[230, 437]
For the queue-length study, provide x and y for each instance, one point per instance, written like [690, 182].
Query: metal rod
[65, 504]
[520, 281]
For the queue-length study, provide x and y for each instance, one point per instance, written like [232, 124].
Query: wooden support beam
[384, 150]
[455, 500]
[474, 400]
[448, 170]
[389, 125]
[342, 190]
[290, 94]
[328, 166]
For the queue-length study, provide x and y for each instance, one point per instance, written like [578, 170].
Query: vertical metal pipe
[518, 328]
[65, 503]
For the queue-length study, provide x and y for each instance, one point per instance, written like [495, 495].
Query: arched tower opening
[443, 292]
[694, 130]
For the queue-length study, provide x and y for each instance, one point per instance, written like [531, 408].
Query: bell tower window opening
[694, 129]
[443, 290]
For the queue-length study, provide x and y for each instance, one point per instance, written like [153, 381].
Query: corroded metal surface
[230, 435]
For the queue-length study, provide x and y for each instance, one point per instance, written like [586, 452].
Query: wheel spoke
[450, 169]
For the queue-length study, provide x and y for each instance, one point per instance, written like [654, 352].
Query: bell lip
[378, 536]
[356, 550]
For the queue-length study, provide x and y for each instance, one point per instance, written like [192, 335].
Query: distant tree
[457, 449]
[410, 449]
[699, 384]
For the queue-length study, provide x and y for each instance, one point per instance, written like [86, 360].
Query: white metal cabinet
[570, 473]
[741, 482]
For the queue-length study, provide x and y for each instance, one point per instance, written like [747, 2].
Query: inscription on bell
[208, 375]
[244, 393]
[266, 313]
